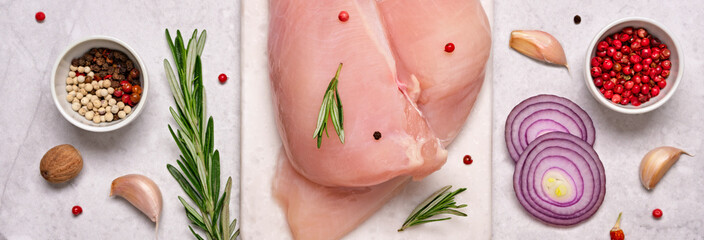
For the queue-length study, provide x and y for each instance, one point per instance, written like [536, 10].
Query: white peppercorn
[93, 98]
[91, 74]
[73, 68]
[106, 83]
[96, 103]
[69, 80]
[89, 115]
[81, 69]
[105, 92]
[121, 105]
[79, 95]
[111, 90]
[127, 109]
[121, 114]
[108, 97]
[83, 110]
[69, 88]
[112, 102]
[103, 103]
[89, 105]
[109, 116]
[96, 119]
[96, 85]
[88, 87]
[81, 79]
[86, 69]
[75, 106]
[84, 100]
[114, 109]
[75, 101]
[71, 74]
[102, 118]
[74, 88]
[70, 98]
[83, 91]
[72, 93]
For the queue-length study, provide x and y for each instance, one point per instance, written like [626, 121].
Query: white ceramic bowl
[61, 68]
[658, 31]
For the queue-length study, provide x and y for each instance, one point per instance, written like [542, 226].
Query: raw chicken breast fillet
[396, 79]
[314, 211]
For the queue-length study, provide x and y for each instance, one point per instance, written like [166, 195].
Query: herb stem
[199, 164]
[440, 202]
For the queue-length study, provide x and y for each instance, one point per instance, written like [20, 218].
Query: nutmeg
[61, 163]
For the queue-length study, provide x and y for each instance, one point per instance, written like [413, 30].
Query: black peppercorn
[577, 19]
[377, 135]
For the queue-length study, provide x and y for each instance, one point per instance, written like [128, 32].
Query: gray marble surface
[30, 208]
[621, 140]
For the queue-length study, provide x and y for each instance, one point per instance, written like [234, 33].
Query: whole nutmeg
[61, 163]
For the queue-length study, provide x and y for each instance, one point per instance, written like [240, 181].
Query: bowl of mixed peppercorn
[633, 65]
[99, 84]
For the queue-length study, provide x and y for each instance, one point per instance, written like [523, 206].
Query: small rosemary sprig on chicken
[441, 202]
[331, 106]
[199, 161]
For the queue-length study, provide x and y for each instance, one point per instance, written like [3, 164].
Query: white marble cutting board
[262, 218]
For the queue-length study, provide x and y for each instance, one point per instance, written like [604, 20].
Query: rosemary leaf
[195, 234]
[185, 185]
[441, 202]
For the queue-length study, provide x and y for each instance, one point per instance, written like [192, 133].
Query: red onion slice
[559, 179]
[542, 114]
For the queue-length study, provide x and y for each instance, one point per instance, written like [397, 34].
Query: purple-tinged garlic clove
[141, 192]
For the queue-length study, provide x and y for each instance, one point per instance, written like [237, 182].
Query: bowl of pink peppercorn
[633, 65]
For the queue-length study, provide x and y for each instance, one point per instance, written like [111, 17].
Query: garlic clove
[141, 192]
[656, 163]
[538, 45]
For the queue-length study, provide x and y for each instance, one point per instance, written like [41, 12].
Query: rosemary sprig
[331, 106]
[441, 202]
[199, 163]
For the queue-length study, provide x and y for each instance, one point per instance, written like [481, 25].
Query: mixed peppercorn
[103, 85]
[631, 66]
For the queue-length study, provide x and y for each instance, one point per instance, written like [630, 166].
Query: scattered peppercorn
[450, 47]
[343, 16]
[577, 19]
[377, 135]
[222, 78]
[40, 16]
[657, 213]
[467, 160]
[77, 210]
